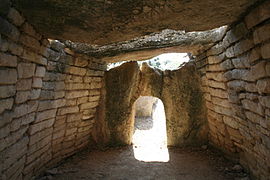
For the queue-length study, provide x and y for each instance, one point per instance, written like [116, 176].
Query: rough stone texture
[144, 106]
[39, 126]
[182, 100]
[237, 112]
[148, 46]
[103, 22]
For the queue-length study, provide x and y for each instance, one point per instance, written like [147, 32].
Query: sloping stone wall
[236, 80]
[48, 98]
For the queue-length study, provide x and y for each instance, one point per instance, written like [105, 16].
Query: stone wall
[48, 98]
[144, 106]
[236, 79]
[179, 90]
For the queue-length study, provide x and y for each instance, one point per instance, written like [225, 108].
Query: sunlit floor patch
[151, 145]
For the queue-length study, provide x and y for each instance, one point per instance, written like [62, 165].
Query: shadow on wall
[150, 136]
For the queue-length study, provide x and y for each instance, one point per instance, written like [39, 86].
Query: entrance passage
[150, 136]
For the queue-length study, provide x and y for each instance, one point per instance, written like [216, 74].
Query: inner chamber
[150, 135]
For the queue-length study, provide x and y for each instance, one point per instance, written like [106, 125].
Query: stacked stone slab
[236, 81]
[48, 98]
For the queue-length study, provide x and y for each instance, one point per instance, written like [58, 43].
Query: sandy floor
[185, 164]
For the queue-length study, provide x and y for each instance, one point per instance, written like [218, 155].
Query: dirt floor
[119, 163]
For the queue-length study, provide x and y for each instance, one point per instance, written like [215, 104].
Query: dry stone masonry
[236, 81]
[56, 97]
[48, 97]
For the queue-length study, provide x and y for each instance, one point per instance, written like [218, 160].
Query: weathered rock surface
[148, 46]
[103, 22]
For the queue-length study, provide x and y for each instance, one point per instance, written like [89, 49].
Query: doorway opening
[150, 136]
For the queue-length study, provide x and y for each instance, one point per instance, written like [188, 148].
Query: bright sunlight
[150, 144]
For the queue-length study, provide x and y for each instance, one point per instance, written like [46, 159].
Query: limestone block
[253, 106]
[80, 62]
[77, 86]
[6, 104]
[40, 126]
[10, 76]
[265, 101]
[75, 70]
[251, 87]
[93, 98]
[95, 85]
[253, 117]
[243, 46]
[39, 145]
[218, 93]
[261, 34]
[16, 151]
[27, 119]
[73, 79]
[94, 92]
[15, 17]
[68, 110]
[15, 124]
[40, 71]
[234, 134]
[22, 96]
[226, 65]
[89, 105]
[24, 84]
[82, 100]
[40, 135]
[31, 157]
[254, 55]
[50, 94]
[26, 70]
[71, 102]
[4, 131]
[56, 86]
[230, 122]
[70, 131]
[57, 45]
[53, 76]
[13, 137]
[4, 44]
[236, 33]
[76, 94]
[8, 60]
[24, 109]
[15, 48]
[15, 170]
[263, 85]
[74, 117]
[58, 134]
[30, 42]
[233, 96]
[9, 30]
[28, 29]
[35, 93]
[237, 74]
[241, 62]
[33, 57]
[37, 82]
[7, 91]
[217, 76]
[90, 79]
[236, 85]
[258, 15]
[51, 104]
[48, 114]
[265, 51]
[221, 102]
[94, 73]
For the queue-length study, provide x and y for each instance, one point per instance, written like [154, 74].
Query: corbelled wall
[236, 76]
[48, 99]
